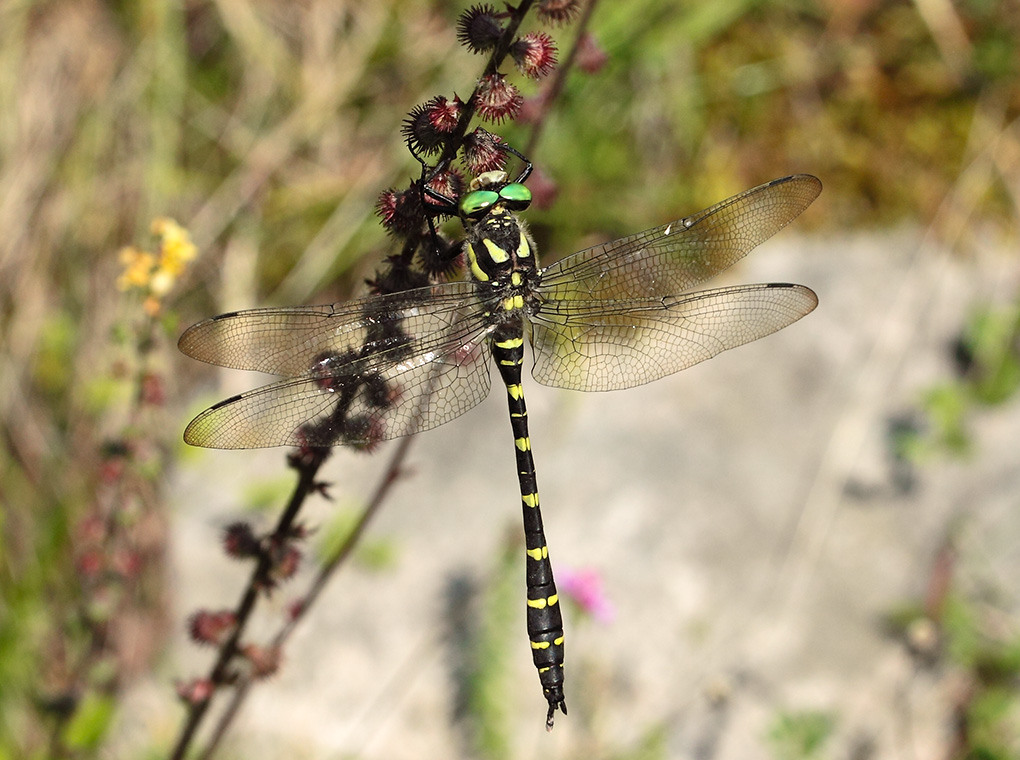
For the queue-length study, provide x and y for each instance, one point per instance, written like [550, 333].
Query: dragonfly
[609, 317]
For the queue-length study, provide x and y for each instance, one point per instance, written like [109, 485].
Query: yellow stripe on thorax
[524, 248]
[476, 270]
[497, 254]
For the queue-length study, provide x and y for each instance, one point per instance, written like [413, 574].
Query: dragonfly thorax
[500, 250]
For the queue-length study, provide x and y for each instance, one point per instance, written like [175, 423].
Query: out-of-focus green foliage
[800, 735]
[987, 357]
[700, 100]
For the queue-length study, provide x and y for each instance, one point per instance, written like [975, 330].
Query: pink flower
[584, 587]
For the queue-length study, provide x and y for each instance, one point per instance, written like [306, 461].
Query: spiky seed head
[558, 12]
[534, 54]
[211, 628]
[427, 124]
[481, 152]
[443, 258]
[479, 28]
[401, 211]
[239, 541]
[448, 183]
[497, 99]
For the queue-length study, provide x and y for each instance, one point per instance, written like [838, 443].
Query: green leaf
[90, 722]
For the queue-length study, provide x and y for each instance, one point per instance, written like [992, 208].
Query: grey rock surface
[743, 515]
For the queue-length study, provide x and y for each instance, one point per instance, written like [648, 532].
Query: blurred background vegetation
[267, 130]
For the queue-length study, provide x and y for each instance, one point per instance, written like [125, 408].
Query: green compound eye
[516, 195]
[477, 202]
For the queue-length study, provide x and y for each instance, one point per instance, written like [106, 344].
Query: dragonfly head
[491, 189]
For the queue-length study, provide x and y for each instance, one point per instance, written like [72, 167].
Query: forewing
[673, 257]
[357, 381]
[288, 341]
[611, 345]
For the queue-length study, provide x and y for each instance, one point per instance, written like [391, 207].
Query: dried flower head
[534, 54]
[401, 211]
[479, 28]
[558, 12]
[497, 99]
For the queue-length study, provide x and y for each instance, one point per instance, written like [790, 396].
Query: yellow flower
[138, 267]
[176, 248]
[156, 274]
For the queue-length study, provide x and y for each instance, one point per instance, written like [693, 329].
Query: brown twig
[315, 588]
[220, 674]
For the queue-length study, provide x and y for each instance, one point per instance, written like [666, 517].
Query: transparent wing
[361, 372]
[285, 341]
[611, 345]
[673, 257]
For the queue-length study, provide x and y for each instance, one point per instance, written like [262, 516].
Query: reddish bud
[239, 541]
[195, 691]
[152, 390]
[211, 627]
[296, 609]
[91, 530]
[299, 531]
[558, 12]
[590, 55]
[265, 661]
[91, 564]
[534, 54]
[479, 28]
[126, 563]
[287, 562]
[497, 99]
